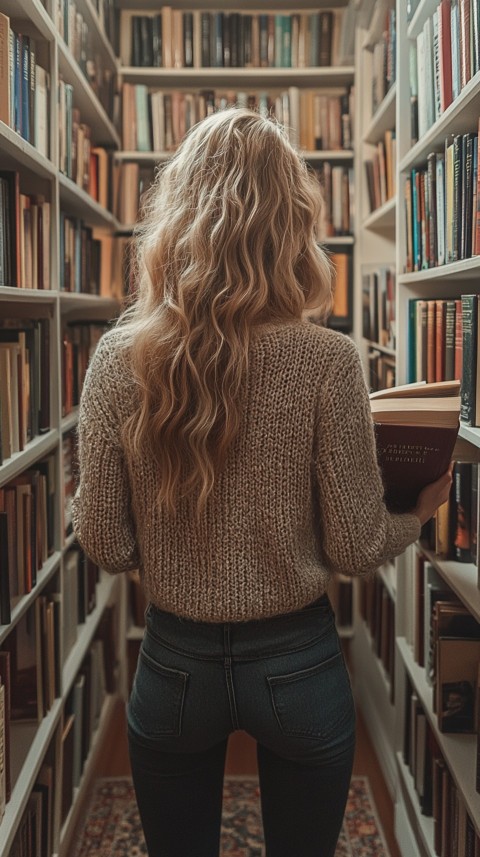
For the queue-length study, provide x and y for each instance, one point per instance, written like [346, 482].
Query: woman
[227, 451]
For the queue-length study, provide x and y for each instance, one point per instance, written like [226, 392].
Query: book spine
[450, 341]
[469, 328]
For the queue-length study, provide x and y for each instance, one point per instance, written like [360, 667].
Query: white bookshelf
[414, 831]
[459, 751]
[31, 742]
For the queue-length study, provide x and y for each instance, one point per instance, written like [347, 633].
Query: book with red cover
[416, 429]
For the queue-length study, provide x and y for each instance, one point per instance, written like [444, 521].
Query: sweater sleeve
[358, 533]
[102, 516]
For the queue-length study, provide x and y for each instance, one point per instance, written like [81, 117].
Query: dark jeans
[283, 681]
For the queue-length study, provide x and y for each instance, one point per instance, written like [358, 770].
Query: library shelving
[415, 831]
[35, 749]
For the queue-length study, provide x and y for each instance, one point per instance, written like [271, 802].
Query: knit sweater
[299, 497]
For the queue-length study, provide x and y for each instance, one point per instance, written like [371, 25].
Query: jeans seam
[229, 677]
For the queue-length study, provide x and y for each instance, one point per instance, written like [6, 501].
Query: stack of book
[377, 609]
[87, 165]
[336, 217]
[378, 305]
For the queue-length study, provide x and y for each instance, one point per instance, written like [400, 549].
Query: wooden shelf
[383, 218]
[69, 422]
[466, 269]
[390, 352]
[460, 117]
[50, 567]
[161, 157]
[383, 119]
[459, 751]
[338, 241]
[424, 823]
[23, 154]
[219, 78]
[76, 201]
[470, 433]
[29, 742]
[28, 295]
[460, 576]
[33, 11]
[92, 111]
[36, 449]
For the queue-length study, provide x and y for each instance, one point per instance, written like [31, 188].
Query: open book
[416, 427]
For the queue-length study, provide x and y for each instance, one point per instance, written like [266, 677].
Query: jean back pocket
[155, 708]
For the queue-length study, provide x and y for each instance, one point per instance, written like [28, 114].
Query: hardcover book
[416, 428]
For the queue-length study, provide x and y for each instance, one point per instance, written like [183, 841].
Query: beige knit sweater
[300, 495]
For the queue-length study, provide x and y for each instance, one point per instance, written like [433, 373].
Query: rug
[112, 827]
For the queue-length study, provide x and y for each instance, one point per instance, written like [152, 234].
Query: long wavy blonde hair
[226, 242]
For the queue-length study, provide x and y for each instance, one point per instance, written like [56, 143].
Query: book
[416, 426]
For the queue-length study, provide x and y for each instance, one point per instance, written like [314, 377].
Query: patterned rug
[113, 829]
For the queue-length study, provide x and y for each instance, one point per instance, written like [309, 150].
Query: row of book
[378, 305]
[443, 342]
[454, 831]
[381, 370]
[26, 532]
[24, 236]
[74, 29]
[384, 60]
[107, 16]
[30, 679]
[176, 39]
[381, 172]
[25, 84]
[155, 120]
[130, 181]
[337, 215]
[24, 383]
[444, 59]
[78, 158]
[80, 257]
[79, 342]
[377, 610]
[453, 533]
[445, 641]
[442, 206]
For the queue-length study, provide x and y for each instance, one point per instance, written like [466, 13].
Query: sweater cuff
[405, 530]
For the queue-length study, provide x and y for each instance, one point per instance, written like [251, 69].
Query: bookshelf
[415, 831]
[77, 94]
[37, 746]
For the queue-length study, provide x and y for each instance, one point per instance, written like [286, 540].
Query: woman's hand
[433, 496]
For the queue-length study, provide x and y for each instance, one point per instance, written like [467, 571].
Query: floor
[241, 759]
